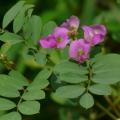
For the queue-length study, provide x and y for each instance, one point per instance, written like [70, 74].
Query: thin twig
[106, 111]
[112, 105]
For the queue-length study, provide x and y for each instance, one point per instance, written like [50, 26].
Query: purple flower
[94, 34]
[58, 39]
[48, 42]
[79, 50]
[71, 23]
[61, 37]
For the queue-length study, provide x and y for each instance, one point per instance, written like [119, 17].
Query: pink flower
[58, 39]
[79, 50]
[48, 42]
[94, 34]
[71, 23]
[61, 37]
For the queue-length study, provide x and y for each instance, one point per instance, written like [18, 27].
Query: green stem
[106, 111]
[21, 98]
[89, 74]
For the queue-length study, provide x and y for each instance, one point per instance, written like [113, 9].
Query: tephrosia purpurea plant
[69, 69]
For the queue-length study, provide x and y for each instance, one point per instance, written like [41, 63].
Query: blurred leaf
[36, 27]
[11, 116]
[29, 107]
[54, 56]
[5, 47]
[27, 31]
[48, 28]
[6, 104]
[30, 11]
[88, 11]
[20, 18]
[49, 15]
[11, 38]
[40, 58]
[116, 36]
[10, 15]
[64, 53]
[87, 100]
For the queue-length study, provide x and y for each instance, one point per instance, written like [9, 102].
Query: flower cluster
[66, 34]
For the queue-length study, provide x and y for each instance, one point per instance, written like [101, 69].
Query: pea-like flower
[71, 23]
[61, 37]
[94, 34]
[58, 39]
[79, 50]
[48, 42]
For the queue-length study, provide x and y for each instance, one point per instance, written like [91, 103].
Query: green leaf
[107, 77]
[40, 81]
[10, 15]
[40, 58]
[70, 67]
[106, 61]
[34, 95]
[18, 79]
[38, 85]
[42, 75]
[59, 99]
[7, 81]
[100, 89]
[64, 53]
[36, 28]
[8, 91]
[87, 101]
[11, 38]
[102, 69]
[72, 72]
[20, 18]
[70, 91]
[27, 30]
[6, 104]
[72, 77]
[11, 116]
[48, 28]
[29, 107]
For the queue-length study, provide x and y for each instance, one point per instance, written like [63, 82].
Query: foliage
[31, 73]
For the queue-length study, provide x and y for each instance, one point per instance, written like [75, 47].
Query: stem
[89, 75]
[112, 105]
[109, 108]
[106, 111]
[24, 91]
